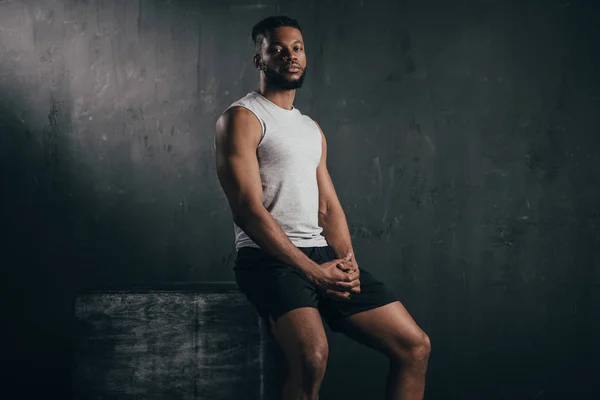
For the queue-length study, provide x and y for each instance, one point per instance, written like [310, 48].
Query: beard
[279, 80]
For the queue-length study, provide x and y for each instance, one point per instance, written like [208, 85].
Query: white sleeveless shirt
[288, 155]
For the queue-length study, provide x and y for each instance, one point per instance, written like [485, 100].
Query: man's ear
[256, 60]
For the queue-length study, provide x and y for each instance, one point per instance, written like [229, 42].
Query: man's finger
[355, 290]
[349, 271]
[337, 294]
[347, 285]
[352, 276]
[346, 267]
[344, 259]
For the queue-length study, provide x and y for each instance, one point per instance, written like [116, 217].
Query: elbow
[245, 213]
[325, 218]
[322, 215]
[330, 211]
[324, 210]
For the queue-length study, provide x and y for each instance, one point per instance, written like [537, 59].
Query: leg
[391, 330]
[301, 335]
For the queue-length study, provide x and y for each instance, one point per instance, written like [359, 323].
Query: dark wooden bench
[174, 341]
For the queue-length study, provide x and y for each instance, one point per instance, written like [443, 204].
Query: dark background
[463, 142]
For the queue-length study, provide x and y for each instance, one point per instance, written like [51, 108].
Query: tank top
[288, 155]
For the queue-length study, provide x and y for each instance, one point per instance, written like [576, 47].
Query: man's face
[282, 58]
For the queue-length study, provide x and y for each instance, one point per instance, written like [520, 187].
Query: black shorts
[275, 288]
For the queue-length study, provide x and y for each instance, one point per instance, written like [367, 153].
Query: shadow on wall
[59, 238]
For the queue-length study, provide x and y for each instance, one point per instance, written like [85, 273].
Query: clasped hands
[338, 277]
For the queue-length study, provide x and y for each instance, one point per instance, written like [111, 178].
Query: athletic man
[295, 260]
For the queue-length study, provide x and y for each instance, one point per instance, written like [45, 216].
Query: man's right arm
[238, 133]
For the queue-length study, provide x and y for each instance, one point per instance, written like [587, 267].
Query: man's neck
[280, 97]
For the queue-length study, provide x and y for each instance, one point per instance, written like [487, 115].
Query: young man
[295, 260]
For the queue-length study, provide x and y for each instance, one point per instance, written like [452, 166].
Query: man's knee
[311, 360]
[421, 350]
[416, 353]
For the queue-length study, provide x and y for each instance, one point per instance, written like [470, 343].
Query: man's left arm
[331, 214]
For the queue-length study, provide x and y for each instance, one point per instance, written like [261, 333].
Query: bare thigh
[389, 329]
[301, 334]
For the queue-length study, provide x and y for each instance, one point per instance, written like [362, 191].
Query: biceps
[240, 179]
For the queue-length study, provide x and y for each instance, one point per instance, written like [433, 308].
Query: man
[295, 260]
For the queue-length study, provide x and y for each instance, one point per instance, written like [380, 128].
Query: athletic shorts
[275, 288]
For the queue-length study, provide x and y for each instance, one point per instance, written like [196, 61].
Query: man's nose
[289, 55]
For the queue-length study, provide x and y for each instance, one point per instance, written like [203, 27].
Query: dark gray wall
[463, 144]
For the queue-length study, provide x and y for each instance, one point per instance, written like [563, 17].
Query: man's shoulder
[237, 114]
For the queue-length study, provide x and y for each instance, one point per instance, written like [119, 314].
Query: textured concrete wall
[463, 144]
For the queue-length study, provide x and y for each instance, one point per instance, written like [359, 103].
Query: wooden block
[156, 344]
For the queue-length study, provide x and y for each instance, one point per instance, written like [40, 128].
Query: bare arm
[238, 133]
[331, 214]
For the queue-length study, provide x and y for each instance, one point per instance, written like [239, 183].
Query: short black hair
[261, 29]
